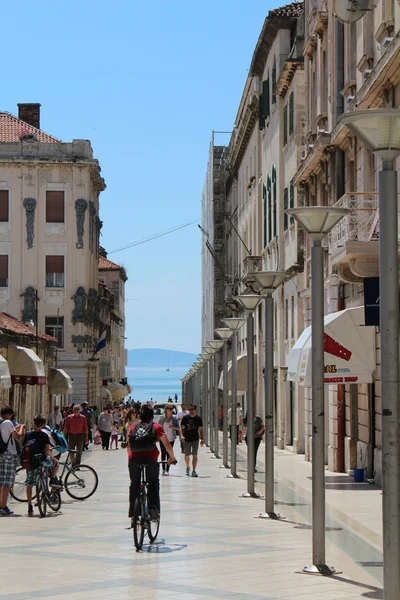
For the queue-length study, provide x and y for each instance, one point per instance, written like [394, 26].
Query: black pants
[152, 477]
[237, 433]
[257, 442]
[165, 455]
[105, 438]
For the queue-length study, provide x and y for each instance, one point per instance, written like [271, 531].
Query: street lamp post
[317, 221]
[379, 130]
[269, 281]
[234, 324]
[250, 303]
[225, 334]
[210, 352]
[205, 388]
[216, 345]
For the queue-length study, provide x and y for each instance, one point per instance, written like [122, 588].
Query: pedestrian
[171, 427]
[76, 432]
[182, 413]
[88, 414]
[169, 399]
[55, 420]
[258, 433]
[239, 421]
[191, 426]
[104, 425]
[221, 417]
[176, 398]
[114, 436]
[9, 459]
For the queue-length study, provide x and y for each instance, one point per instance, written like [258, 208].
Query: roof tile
[12, 128]
[105, 264]
[9, 323]
[289, 10]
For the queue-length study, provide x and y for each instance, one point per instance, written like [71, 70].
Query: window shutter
[4, 206]
[291, 200]
[274, 84]
[54, 207]
[260, 113]
[274, 199]
[265, 214]
[285, 206]
[285, 136]
[4, 267]
[54, 264]
[265, 96]
[269, 196]
[291, 114]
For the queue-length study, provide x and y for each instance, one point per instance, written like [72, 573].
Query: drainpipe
[341, 405]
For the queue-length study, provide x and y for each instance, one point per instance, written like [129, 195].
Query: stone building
[49, 240]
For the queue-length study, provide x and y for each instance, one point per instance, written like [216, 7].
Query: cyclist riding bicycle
[142, 449]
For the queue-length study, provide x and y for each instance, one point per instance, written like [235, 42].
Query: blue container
[359, 475]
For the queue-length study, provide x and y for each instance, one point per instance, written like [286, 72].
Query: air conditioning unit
[310, 146]
[349, 99]
[367, 73]
[386, 42]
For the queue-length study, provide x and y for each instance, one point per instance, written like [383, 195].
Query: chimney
[30, 113]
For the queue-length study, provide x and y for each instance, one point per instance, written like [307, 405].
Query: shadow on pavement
[374, 592]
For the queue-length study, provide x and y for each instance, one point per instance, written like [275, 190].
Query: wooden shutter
[54, 264]
[274, 200]
[265, 213]
[285, 206]
[54, 207]
[4, 269]
[269, 199]
[260, 115]
[274, 84]
[4, 206]
[291, 114]
[291, 200]
[285, 135]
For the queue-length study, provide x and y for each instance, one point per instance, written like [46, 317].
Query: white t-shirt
[169, 432]
[6, 428]
[238, 416]
[181, 414]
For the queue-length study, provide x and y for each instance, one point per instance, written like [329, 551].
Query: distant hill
[155, 357]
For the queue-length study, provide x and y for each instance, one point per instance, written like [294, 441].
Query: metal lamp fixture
[269, 281]
[379, 130]
[317, 221]
[225, 334]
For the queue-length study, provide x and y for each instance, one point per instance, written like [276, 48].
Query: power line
[153, 237]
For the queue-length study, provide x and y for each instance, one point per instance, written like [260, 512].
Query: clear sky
[147, 83]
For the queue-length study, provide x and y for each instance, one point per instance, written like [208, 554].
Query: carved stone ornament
[92, 306]
[92, 208]
[79, 313]
[80, 208]
[80, 341]
[30, 206]
[29, 310]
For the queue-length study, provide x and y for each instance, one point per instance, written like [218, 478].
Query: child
[114, 436]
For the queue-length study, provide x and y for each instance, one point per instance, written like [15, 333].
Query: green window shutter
[274, 84]
[269, 198]
[291, 114]
[265, 97]
[261, 119]
[274, 228]
[265, 213]
[285, 136]
[285, 207]
[291, 200]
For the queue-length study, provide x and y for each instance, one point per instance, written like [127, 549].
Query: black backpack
[143, 437]
[3, 444]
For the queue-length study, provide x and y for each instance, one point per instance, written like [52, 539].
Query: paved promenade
[210, 546]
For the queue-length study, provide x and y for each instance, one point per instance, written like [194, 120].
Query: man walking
[9, 459]
[55, 419]
[88, 414]
[191, 427]
[239, 421]
[182, 413]
[76, 432]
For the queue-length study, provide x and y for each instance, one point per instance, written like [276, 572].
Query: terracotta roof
[289, 10]
[105, 264]
[12, 128]
[9, 323]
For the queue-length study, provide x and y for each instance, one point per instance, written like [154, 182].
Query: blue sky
[146, 82]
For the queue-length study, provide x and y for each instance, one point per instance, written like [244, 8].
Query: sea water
[157, 383]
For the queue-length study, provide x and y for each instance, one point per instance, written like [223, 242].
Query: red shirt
[76, 424]
[159, 431]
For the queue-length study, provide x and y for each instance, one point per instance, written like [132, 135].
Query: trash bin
[359, 475]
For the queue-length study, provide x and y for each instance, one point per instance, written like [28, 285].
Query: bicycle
[79, 482]
[46, 495]
[141, 522]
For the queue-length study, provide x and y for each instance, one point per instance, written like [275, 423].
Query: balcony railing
[361, 224]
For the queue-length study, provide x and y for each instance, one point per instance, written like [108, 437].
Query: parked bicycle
[45, 493]
[79, 482]
[141, 522]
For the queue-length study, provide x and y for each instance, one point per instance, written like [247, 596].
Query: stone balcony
[353, 243]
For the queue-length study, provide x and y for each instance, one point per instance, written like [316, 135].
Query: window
[55, 326]
[274, 84]
[264, 103]
[265, 213]
[55, 207]
[292, 319]
[54, 271]
[286, 318]
[4, 206]
[274, 200]
[285, 207]
[291, 200]
[285, 136]
[291, 114]
[3, 270]
[269, 200]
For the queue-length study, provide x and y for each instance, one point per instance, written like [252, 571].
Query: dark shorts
[191, 448]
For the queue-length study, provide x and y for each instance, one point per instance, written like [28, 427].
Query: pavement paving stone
[211, 545]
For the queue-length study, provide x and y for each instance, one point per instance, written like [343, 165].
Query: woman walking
[171, 426]
[259, 429]
[104, 425]
[130, 419]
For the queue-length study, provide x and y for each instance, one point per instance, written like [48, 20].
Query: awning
[25, 366]
[105, 394]
[241, 374]
[349, 347]
[118, 391]
[5, 377]
[59, 382]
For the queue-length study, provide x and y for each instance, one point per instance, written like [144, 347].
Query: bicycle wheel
[41, 497]
[139, 521]
[53, 499]
[81, 482]
[152, 529]
[18, 491]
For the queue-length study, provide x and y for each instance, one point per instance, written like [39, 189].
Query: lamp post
[249, 303]
[317, 221]
[269, 281]
[234, 324]
[379, 130]
[216, 345]
[225, 334]
[205, 400]
[209, 424]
